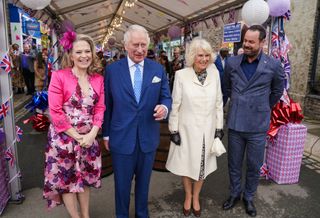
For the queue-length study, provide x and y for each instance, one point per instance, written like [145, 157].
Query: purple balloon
[278, 7]
[174, 32]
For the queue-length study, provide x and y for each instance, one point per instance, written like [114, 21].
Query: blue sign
[33, 26]
[232, 32]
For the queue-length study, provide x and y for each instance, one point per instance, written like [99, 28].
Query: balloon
[174, 32]
[255, 12]
[36, 4]
[278, 7]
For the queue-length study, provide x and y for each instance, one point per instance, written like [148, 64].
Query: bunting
[4, 109]
[5, 63]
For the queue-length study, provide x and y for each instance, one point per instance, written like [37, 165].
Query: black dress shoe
[250, 208]
[230, 203]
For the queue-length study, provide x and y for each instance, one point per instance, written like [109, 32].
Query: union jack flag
[264, 171]
[4, 108]
[19, 133]
[5, 63]
[10, 156]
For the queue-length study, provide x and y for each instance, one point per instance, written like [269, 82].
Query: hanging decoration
[174, 32]
[255, 12]
[9, 156]
[278, 7]
[19, 133]
[280, 47]
[4, 109]
[5, 63]
[36, 4]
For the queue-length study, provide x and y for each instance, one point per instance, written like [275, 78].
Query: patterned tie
[137, 82]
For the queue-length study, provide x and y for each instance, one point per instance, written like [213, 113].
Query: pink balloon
[174, 32]
[278, 7]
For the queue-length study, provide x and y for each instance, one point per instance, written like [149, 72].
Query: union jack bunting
[10, 156]
[5, 63]
[19, 133]
[4, 108]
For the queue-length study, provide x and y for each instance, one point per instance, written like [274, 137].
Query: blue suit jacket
[219, 66]
[251, 101]
[125, 119]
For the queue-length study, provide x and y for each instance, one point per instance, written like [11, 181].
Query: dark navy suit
[133, 132]
[249, 117]
[219, 65]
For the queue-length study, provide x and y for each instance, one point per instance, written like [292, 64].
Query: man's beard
[251, 53]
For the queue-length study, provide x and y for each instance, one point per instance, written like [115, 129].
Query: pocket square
[156, 79]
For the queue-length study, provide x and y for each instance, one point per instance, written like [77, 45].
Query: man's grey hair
[135, 28]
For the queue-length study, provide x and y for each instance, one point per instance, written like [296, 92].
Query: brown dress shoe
[186, 212]
[197, 213]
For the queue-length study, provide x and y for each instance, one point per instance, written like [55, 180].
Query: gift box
[4, 191]
[284, 153]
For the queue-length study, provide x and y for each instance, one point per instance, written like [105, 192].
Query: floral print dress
[70, 167]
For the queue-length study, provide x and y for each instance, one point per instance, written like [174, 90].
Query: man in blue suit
[137, 97]
[220, 63]
[254, 82]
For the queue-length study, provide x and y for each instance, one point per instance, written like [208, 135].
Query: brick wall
[312, 106]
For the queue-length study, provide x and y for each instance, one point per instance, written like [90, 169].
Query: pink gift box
[284, 154]
[4, 190]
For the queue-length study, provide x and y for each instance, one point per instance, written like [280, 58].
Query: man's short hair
[260, 29]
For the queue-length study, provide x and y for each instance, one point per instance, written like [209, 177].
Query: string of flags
[4, 110]
[5, 63]
[9, 153]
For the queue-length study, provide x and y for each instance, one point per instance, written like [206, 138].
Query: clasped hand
[86, 140]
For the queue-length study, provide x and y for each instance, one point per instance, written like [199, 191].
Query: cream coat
[197, 110]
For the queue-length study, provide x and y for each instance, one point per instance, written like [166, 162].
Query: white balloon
[255, 12]
[36, 4]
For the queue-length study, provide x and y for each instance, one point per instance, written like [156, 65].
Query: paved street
[166, 194]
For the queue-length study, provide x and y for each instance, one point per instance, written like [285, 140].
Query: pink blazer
[62, 85]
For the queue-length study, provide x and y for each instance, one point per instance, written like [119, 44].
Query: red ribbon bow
[40, 122]
[282, 114]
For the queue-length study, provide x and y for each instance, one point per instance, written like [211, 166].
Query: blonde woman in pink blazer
[76, 105]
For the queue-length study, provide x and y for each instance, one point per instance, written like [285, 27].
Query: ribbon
[40, 122]
[18, 175]
[282, 114]
[39, 101]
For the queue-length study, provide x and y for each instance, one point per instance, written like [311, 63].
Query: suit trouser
[138, 164]
[254, 146]
[28, 80]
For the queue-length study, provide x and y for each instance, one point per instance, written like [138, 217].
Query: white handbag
[217, 147]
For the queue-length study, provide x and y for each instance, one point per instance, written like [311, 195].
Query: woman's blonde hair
[196, 44]
[66, 58]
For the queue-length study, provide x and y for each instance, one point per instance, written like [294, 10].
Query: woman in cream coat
[195, 120]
